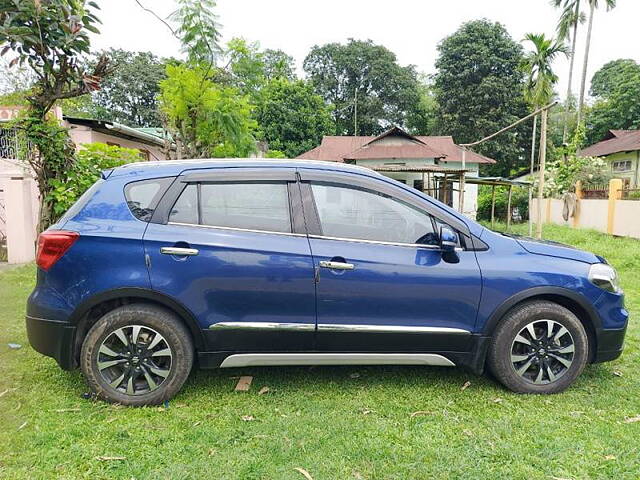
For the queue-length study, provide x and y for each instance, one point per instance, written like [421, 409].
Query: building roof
[348, 148]
[614, 142]
[418, 169]
[150, 136]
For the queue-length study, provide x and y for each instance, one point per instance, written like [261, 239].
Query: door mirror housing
[448, 239]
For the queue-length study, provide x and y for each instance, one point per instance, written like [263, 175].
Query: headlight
[605, 277]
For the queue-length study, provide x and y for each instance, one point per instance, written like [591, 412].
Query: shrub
[88, 163]
[519, 200]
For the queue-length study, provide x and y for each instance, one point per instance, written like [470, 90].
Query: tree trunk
[565, 130]
[543, 157]
[533, 161]
[592, 10]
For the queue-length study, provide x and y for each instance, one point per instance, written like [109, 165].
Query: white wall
[594, 214]
[627, 218]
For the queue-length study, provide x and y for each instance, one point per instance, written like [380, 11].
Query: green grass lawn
[336, 423]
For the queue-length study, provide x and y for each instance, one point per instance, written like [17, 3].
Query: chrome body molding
[270, 326]
[336, 327]
[293, 359]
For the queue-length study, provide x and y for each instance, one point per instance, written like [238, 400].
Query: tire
[525, 358]
[149, 374]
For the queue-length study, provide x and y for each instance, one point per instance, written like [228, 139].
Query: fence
[616, 211]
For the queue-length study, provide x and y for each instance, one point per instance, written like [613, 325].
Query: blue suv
[235, 263]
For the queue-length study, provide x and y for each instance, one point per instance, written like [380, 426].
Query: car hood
[555, 249]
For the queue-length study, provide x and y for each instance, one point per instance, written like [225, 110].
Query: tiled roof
[341, 148]
[615, 141]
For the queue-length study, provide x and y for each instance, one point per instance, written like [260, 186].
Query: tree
[15, 79]
[363, 82]
[51, 37]
[616, 87]
[205, 119]
[479, 89]
[606, 81]
[292, 117]
[537, 64]
[568, 30]
[244, 68]
[593, 5]
[539, 91]
[278, 64]
[130, 94]
[198, 30]
[422, 119]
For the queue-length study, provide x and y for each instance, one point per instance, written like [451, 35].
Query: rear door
[382, 282]
[229, 245]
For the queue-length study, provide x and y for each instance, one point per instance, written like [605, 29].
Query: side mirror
[448, 239]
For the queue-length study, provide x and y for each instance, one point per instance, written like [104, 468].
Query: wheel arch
[94, 308]
[569, 299]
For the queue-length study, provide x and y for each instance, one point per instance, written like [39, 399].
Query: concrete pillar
[615, 193]
[21, 230]
[576, 213]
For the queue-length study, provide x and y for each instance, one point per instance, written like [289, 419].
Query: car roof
[176, 167]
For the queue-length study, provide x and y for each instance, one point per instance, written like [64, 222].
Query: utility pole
[533, 161]
[543, 157]
[355, 114]
[543, 150]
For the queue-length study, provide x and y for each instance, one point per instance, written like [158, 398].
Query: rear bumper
[53, 339]
[610, 343]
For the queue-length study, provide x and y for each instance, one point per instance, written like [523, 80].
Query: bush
[519, 200]
[88, 163]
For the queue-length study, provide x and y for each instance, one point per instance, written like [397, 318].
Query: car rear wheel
[137, 354]
[539, 347]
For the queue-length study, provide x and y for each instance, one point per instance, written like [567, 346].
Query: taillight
[53, 245]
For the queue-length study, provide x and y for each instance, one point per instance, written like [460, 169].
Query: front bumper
[53, 339]
[610, 343]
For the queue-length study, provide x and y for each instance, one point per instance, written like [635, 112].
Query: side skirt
[280, 359]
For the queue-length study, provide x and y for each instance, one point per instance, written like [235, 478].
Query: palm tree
[568, 30]
[593, 5]
[539, 92]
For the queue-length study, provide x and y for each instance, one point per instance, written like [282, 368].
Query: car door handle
[189, 252]
[337, 265]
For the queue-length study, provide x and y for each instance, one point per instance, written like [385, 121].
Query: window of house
[622, 166]
[144, 154]
[250, 206]
[353, 213]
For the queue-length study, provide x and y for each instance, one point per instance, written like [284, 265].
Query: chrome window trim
[283, 359]
[336, 327]
[376, 242]
[236, 229]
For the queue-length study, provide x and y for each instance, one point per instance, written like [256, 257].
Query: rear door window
[260, 206]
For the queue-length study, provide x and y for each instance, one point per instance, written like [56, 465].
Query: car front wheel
[539, 347]
[137, 354]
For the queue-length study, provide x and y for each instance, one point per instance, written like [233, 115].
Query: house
[432, 164]
[18, 190]
[621, 150]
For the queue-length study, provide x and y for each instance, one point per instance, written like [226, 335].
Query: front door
[382, 281]
[228, 252]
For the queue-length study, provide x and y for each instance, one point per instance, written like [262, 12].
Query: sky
[411, 29]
